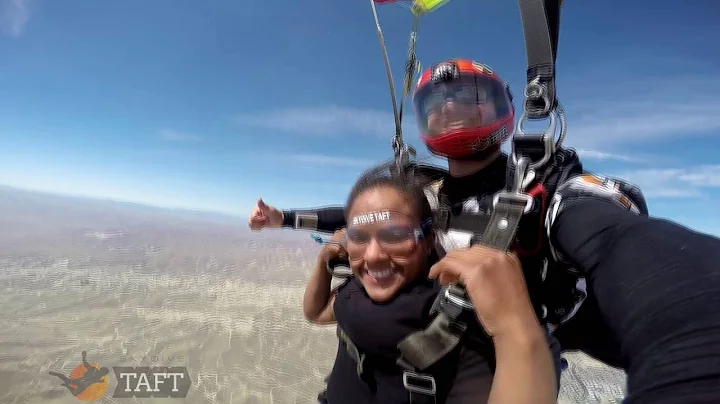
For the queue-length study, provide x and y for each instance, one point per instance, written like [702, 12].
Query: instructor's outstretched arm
[329, 219]
[657, 285]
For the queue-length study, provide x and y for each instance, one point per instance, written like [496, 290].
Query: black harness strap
[447, 219]
[352, 350]
[541, 27]
[424, 347]
[421, 387]
[464, 221]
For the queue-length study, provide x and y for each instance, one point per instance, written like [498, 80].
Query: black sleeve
[328, 219]
[657, 285]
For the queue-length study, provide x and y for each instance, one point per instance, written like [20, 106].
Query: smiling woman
[389, 243]
[389, 236]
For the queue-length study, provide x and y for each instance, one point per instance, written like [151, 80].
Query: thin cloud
[675, 182]
[175, 136]
[323, 160]
[642, 110]
[14, 14]
[327, 121]
[603, 156]
[604, 118]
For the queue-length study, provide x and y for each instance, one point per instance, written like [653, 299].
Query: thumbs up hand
[264, 215]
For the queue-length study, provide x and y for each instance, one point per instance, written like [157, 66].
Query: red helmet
[462, 108]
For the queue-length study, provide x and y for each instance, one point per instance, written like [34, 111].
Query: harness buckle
[515, 197]
[455, 295]
[534, 144]
[517, 194]
[419, 383]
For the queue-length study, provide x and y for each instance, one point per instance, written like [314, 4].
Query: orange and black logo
[88, 381]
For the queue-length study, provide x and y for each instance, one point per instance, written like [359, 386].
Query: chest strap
[463, 221]
[423, 348]
[421, 388]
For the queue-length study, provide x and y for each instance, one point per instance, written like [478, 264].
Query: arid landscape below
[135, 285]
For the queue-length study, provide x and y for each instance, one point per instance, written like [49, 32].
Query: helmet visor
[468, 102]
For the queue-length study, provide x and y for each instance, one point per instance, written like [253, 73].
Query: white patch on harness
[454, 239]
[431, 192]
[371, 217]
[471, 205]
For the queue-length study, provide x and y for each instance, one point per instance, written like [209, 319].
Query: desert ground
[135, 285]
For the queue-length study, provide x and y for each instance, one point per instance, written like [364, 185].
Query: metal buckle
[547, 138]
[535, 91]
[417, 383]
[522, 165]
[456, 299]
[527, 199]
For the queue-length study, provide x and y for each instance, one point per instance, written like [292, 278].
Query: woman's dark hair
[409, 179]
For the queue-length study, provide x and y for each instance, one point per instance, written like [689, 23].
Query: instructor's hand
[495, 283]
[264, 215]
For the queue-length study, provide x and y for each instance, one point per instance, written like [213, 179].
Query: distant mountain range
[16, 200]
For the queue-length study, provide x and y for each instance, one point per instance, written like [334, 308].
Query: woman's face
[384, 243]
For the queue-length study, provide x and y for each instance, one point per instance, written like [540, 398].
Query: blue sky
[209, 105]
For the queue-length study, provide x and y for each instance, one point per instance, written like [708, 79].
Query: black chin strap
[541, 27]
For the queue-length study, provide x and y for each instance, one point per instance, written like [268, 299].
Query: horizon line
[144, 204]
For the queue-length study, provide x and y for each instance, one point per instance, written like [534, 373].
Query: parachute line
[398, 125]
[412, 66]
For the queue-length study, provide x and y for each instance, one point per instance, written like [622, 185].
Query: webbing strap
[352, 350]
[504, 221]
[541, 27]
[419, 398]
[425, 347]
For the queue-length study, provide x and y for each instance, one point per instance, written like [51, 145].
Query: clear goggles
[397, 236]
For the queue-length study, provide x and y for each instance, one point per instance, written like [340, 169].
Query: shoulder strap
[541, 28]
